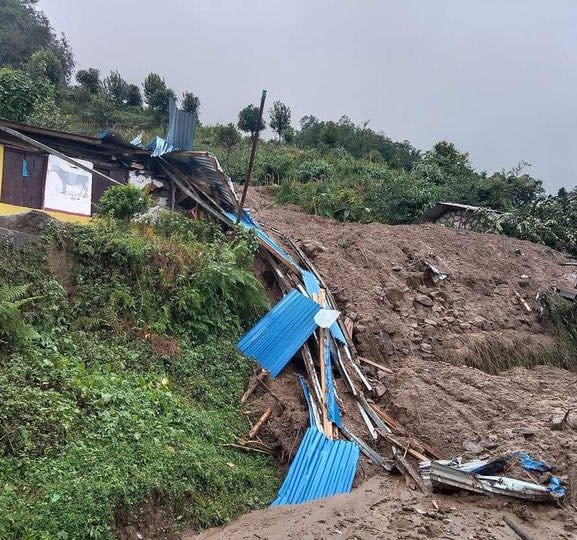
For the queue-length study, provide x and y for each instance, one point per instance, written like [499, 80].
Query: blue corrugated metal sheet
[181, 127]
[321, 468]
[312, 284]
[159, 146]
[277, 337]
[332, 407]
[337, 333]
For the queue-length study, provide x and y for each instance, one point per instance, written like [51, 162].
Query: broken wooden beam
[253, 385]
[410, 450]
[409, 471]
[261, 422]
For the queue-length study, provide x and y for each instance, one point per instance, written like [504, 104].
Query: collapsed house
[66, 174]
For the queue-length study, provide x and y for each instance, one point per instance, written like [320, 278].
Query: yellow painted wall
[1, 166]
[9, 209]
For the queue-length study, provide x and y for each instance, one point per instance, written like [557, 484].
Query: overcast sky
[496, 77]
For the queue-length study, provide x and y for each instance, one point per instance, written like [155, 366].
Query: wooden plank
[409, 471]
[374, 364]
[253, 385]
[392, 423]
[261, 422]
[389, 438]
[327, 427]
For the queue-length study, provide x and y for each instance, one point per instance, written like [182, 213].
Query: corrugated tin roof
[321, 468]
[311, 283]
[159, 146]
[205, 173]
[434, 213]
[277, 337]
[181, 127]
[312, 286]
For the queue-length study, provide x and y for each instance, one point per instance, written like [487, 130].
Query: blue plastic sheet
[555, 486]
[532, 465]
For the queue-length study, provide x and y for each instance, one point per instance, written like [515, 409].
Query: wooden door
[23, 179]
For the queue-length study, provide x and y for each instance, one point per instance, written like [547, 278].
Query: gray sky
[496, 77]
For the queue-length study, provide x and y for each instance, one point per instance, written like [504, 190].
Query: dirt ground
[430, 336]
[383, 508]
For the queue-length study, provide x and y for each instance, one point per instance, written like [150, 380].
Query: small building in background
[460, 216]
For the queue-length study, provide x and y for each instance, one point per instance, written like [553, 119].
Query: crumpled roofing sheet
[248, 223]
[321, 468]
[277, 337]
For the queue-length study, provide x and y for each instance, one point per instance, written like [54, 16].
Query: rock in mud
[424, 300]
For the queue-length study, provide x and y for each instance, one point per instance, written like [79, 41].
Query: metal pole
[42, 146]
[251, 160]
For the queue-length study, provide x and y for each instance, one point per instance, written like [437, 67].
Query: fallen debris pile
[480, 477]
[306, 320]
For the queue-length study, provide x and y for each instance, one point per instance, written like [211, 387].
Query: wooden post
[251, 160]
[327, 427]
[257, 427]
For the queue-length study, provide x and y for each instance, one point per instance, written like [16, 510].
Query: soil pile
[429, 334]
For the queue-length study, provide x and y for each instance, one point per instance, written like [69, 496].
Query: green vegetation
[124, 202]
[120, 379]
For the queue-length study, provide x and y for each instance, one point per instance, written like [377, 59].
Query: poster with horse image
[68, 188]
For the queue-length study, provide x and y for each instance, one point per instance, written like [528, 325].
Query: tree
[24, 30]
[133, 96]
[115, 88]
[329, 134]
[226, 136]
[46, 63]
[89, 79]
[157, 96]
[153, 84]
[280, 118]
[21, 93]
[100, 111]
[190, 102]
[248, 121]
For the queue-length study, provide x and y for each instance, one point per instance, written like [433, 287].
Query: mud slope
[430, 336]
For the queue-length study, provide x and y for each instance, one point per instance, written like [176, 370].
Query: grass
[94, 416]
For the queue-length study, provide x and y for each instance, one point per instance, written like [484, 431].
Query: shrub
[313, 169]
[124, 202]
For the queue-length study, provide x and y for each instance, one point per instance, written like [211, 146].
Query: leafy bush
[402, 200]
[13, 329]
[314, 169]
[124, 202]
[551, 221]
